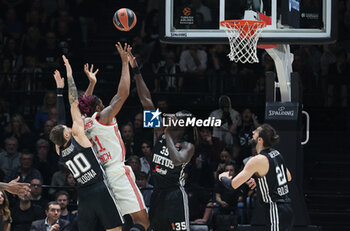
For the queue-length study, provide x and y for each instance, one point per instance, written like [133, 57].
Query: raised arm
[92, 78]
[178, 157]
[107, 114]
[61, 110]
[141, 87]
[78, 124]
[19, 189]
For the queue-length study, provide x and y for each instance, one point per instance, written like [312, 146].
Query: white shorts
[128, 196]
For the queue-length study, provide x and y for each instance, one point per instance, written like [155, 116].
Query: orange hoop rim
[241, 23]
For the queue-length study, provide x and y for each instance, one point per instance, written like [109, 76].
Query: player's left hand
[251, 183]
[225, 174]
[68, 67]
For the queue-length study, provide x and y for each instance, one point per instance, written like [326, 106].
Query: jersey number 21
[281, 176]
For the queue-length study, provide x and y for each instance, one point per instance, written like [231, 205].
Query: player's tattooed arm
[72, 89]
[178, 157]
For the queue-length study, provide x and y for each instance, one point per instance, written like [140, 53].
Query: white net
[243, 36]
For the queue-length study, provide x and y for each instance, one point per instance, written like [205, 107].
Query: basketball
[124, 19]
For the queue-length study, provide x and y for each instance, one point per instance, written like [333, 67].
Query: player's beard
[253, 142]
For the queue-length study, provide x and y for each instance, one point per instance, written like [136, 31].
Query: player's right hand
[68, 67]
[123, 52]
[59, 80]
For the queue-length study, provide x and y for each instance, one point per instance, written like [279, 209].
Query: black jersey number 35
[79, 165]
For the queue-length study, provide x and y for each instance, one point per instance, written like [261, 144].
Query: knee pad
[137, 227]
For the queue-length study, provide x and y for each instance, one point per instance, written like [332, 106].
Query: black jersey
[82, 163]
[273, 187]
[164, 173]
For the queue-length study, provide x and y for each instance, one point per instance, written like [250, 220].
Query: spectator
[36, 194]
[163, 105]
[145, 187]
[140, 132]
[25, 171]
[42, 113]
[243, 129]
[9, 159]
[227, 198]
[218, 68]
[49, 53]
[42, 161]
[193, 62]
[12, 51]
[209, 146]
[225, 159]
[19, 129]
[5, 213]
[52, 222]
[129, 141]
[169, 77]
[228, 116]
[8, 81]
[4, 36]
[31, 40]
[62, 198]
[23, 214]
[58, 178]
[70, 182]
[146, 159]
[48, 125]
[12, 24]
[134, 162]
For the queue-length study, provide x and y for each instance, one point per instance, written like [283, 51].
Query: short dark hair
[50, 203]
[269, 135]
[56, 135]
[60, 193]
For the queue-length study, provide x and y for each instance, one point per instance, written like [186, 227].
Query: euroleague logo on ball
[187, 11]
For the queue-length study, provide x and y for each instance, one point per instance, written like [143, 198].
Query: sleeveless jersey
[106, 141]
[164, 174]
[273, 187]
[82, 163]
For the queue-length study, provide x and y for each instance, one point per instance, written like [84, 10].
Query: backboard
[291, 21]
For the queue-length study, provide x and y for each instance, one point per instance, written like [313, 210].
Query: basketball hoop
[243, 36]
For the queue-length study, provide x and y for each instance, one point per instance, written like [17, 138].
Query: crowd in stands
[34, 35]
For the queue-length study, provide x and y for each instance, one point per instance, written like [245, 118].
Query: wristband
[226, 182]
[59, 91]
[136, 70]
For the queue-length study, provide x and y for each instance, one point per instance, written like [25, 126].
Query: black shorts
[279, 215]
[169, 210]
[97, 207]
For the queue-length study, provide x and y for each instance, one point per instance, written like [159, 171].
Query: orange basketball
[124, 19]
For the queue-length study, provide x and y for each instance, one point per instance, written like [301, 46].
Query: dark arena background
[35, 34]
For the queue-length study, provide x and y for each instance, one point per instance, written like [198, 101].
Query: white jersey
[106, 141]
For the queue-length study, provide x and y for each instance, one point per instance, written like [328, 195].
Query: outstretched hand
[68, 67]
[123, 52]
[22, 190]
[132, 58]
[59, 80]
[90, 73]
